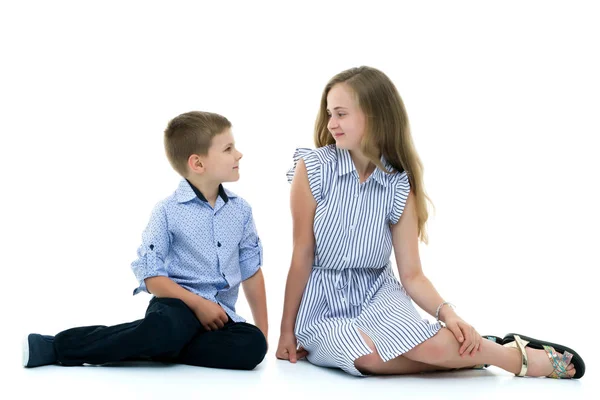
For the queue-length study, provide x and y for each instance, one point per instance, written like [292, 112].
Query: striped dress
[352, 285]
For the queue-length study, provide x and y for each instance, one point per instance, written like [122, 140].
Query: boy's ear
[196, 163]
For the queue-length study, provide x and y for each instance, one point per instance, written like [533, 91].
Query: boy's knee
[257, 349]
[170, 331]
[253, 349]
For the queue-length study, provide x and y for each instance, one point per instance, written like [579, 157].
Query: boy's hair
[191, 133]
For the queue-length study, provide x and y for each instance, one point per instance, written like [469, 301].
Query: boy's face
[221, 164]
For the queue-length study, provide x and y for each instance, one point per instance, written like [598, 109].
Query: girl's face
[346, 119]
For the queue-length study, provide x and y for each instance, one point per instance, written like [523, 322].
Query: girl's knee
[369, 363]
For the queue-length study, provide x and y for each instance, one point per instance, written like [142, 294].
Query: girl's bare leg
[373, 364]
[442, 350]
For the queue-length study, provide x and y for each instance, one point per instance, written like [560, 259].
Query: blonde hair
[387, 131]
[191, 133]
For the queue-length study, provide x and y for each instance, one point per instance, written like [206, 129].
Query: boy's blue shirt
[208, 251]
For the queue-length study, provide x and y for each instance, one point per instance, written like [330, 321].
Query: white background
[503, 100]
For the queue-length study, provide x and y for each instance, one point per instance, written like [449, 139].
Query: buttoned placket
[219, 204]
[359, 189]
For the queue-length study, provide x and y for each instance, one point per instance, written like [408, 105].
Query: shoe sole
[25, 348]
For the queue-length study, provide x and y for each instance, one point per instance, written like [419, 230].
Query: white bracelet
[437, 312]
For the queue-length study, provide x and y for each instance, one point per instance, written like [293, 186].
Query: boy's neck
[210, 190]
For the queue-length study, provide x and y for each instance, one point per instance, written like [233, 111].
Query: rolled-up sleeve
[250, 249]
[153, 250]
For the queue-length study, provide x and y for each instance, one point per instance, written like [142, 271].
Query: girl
[356, 196]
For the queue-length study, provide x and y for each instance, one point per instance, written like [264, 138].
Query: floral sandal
[560, 356]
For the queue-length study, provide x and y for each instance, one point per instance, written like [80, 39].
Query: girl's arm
[406, 248]
[303, 206]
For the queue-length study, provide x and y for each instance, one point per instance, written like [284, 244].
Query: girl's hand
[465, 334]
[288, 348]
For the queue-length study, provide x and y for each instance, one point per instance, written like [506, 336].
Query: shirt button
[218, 244]
[356, 195]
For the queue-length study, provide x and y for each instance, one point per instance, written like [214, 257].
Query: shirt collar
[187, 191]
[346, 166]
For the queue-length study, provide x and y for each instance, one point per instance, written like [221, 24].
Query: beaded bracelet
[437, 312]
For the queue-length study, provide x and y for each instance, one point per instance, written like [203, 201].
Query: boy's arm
[162, 286]
[252, 277]
[156, 242]
[254, 289]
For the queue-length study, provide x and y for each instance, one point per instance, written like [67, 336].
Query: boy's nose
[240, 155]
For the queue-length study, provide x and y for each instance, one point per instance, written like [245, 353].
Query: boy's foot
[38, 350]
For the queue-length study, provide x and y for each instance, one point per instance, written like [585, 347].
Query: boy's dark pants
[170, 332]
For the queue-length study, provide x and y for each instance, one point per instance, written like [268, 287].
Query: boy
[199, 245]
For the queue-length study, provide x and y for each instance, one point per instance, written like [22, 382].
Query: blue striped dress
[352, 285]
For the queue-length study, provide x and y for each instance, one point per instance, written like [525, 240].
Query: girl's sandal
[560, 356]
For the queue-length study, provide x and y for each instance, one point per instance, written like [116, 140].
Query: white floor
[277, 379]
[503, 103]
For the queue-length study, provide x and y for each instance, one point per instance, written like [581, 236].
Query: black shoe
[38, 350]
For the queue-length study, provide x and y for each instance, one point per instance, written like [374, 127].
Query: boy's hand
[211, 315]
[288, 348]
